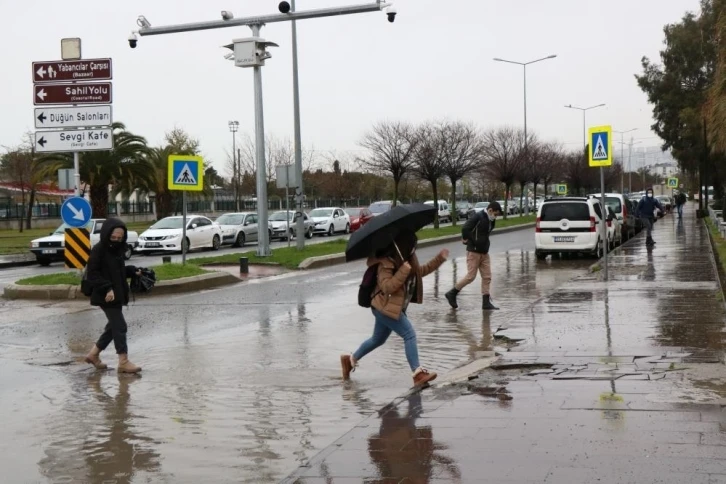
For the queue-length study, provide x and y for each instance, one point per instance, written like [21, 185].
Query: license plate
[49, 251]
[565, 239]
[153, 244]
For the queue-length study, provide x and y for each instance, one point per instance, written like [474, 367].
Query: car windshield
[168, 223]
[353, 212]
[322, 212]
[481, 205]
[379, 207]
[614, 203]
[281, 216]
[230, 219]
[554, 212]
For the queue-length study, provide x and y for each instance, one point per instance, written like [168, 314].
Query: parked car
[626, 216]
[444, 212]
[462, 210]
[478, 207]
[614, 228]
[358, 217]
[330, 220]
[52, 248]
[283, 224]
[666, 202]
[166, 235]
[378, 208]
[238, 228]
[569, 225]
[511, 206]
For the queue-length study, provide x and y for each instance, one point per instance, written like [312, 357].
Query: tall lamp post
[622, 156]
[584, 122]
[524, 69]
[233, 127]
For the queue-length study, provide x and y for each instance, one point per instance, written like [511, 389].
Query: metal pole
[263, 245]
[235, 170]
[184, 227]
[526, 140]
[299, 191]
[604, 233]
[77, 174]
[622, 162]
[287, 207]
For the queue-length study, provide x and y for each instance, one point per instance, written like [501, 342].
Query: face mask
[650, 195]
[491, 216]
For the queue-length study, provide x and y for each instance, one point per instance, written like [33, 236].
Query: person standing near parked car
[646, 211]
[107, 275]
[475, 235]
[680, 201]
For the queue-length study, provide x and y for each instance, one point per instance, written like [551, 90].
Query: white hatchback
[569, 225]
[330, 220]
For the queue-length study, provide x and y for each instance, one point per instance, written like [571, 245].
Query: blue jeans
[680, 210]
[382, 330]
[648, 225]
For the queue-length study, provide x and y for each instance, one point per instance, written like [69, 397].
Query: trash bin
[166, 259]
[244, 267]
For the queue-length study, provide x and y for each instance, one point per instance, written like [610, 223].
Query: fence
[17, 211]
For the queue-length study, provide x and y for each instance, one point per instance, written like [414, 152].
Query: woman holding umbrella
[399, 282]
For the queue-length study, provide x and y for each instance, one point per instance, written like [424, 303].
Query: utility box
[250, 51]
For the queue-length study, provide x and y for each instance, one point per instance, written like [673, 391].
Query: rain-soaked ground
[240, 384]
[620, 381]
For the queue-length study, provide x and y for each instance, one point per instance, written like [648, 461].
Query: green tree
[125, 168]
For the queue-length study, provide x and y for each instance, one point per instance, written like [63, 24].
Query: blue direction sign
[76, 212]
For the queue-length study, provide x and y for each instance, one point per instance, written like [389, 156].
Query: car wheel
[240, 241]
[128, 252]
[269, 235]
[185, 245]
[331, 230]
[309, 233]
[541, 255]
[216, 242]
[347, 228]
[598, 252]
[44, 261]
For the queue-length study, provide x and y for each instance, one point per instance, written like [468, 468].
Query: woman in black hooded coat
[107, 275]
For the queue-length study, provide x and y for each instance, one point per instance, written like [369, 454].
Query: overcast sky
[435, 61]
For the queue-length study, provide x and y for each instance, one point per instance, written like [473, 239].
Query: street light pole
[526, 138]
[299, 191]
[233, 127]
[622, 157]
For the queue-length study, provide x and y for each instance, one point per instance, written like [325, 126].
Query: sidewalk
[619, 382]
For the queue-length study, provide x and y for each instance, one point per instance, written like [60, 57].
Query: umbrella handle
[399, 252]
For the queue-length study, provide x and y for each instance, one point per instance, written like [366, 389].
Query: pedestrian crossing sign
[601, 146]
[673, 183]
[562, 189]
[186, 173]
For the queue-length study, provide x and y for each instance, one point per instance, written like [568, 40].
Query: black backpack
[367, 286]
[143, 282]
[86, 287]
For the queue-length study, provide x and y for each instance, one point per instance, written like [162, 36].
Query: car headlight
[34, 245]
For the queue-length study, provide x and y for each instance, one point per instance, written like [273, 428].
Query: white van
[444, 211]
[569, 225]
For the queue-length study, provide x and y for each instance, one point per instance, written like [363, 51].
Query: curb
[334, 259]
[19, 263]
[66, 291]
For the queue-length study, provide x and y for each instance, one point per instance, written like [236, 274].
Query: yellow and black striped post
[78, 248]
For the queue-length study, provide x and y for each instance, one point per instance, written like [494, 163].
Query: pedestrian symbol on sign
[673, 183]
[186, 177]
[600, 150]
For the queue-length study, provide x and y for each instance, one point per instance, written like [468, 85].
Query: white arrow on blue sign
[76, 212]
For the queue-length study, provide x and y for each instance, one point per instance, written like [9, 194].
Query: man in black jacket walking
[107, 274]
[475, 235]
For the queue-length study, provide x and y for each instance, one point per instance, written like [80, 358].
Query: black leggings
[115, 331]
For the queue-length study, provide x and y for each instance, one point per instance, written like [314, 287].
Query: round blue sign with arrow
[76, 212]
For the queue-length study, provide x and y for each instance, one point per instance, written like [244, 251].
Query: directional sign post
[76, 70]
[74, 140]
[77, 248]
[601, 155]
[79, 93]
[73, 117]
[185, 173]
[76, 212]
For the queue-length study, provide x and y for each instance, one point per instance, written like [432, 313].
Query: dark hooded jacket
[107, 269]
[476, 232]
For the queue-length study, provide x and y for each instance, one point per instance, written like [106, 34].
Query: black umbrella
[380, 231]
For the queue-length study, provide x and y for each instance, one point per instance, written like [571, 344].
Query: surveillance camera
[133, 40]
[227, 15]
[142, 22]
[284, 7]
[391, 13]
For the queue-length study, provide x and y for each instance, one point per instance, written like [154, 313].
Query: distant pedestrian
[399, 282]
[646, 211]
[680, 202]
[107, 274]
[475, 235]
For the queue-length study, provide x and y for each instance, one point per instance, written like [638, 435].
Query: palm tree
[125, 168]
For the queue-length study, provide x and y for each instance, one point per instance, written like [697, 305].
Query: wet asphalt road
[240, 384]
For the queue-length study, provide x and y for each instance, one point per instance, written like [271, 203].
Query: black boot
[649, 241]
[451, 297]
[487, 303]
